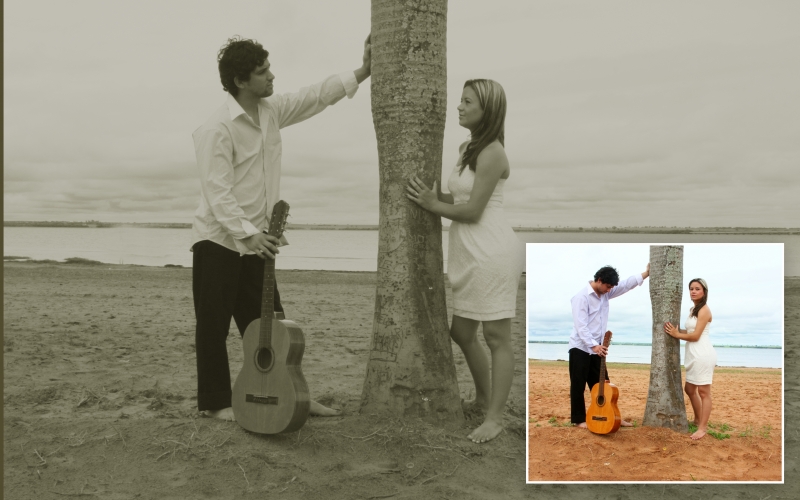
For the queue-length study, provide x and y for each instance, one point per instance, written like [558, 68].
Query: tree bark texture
[410, 370]
[665, 404]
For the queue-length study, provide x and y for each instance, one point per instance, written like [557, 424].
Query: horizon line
[563, 342]
[290, 225]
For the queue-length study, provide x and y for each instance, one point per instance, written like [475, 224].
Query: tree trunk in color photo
[665, 404]
[410, 370]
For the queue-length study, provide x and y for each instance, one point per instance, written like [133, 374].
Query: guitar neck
[602, 376]
[606, 343]
[267, 304]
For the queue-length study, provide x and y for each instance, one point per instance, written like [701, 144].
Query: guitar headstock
[607, 339]
[277, 223]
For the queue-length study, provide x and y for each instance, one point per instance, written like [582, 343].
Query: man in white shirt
[589, 325]
[239, 157]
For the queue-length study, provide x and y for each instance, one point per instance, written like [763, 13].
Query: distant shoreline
[649, 345]
[370, 227]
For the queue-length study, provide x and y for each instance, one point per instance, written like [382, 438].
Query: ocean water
[342, 250]
[726, 356]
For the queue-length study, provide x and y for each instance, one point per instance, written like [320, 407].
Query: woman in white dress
[485, 257]
[700, 356]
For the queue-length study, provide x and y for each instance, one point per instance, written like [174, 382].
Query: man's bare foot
[582, 425]
[625, 423]
[223, 414]
[488, 430]
[318, 410]
[699, 433]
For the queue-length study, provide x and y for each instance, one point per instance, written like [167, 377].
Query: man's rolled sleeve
[214, 159]
[580, 319]
[349, 82]
[626, 286]
[301, 105]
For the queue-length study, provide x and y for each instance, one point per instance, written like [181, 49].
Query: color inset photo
[655, 362]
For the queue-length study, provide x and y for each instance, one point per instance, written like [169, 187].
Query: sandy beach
[100, 399]
[99, 402]
[746, 408]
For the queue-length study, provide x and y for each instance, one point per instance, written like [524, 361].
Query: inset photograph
[655, 362]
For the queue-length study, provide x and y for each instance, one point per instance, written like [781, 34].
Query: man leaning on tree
[239, 157]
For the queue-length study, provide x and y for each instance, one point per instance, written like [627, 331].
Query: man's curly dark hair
[238, 58]
[607, 275]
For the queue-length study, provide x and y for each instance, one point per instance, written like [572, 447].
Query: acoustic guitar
[270, 394]
[603, 416]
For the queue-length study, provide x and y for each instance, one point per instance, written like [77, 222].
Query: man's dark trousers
[224, 285]
[584, 369]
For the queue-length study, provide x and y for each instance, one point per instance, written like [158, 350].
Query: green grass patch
[554, 422]
[719, 431]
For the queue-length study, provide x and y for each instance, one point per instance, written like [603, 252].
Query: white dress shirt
[590, 313]
[240, 162]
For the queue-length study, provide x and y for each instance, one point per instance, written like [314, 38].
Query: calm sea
[342, 250]
[726, 356]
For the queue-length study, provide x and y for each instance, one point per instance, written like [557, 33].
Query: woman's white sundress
[699, 357]
[485, 258]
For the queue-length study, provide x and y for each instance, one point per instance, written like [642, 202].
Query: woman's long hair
[492, 99]
[699, 305]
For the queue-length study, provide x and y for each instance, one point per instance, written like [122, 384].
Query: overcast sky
[745, 289]
[620, 112]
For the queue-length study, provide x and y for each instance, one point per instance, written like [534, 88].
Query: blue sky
[618, 110]
[745, 289]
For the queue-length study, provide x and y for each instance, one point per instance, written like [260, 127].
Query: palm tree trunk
[410, 370]
[665, 404]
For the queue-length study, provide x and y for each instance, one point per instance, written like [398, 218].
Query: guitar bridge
[595, 417]
[264, 400]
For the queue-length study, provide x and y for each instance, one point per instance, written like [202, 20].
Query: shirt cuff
[349, 82]
[249, 230]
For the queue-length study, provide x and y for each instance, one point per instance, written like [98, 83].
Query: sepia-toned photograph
[656, 362]
[278, 247]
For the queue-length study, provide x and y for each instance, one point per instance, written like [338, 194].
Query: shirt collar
[234, 107]
[590, 290]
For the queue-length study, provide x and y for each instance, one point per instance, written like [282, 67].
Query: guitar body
[603, 415]
[270, 394]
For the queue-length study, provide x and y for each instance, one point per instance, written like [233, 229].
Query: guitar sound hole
[264, 359]
[601, 400]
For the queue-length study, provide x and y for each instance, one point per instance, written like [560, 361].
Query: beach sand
[99, 402]
[100, 398]
[747, 400]
[746, 405]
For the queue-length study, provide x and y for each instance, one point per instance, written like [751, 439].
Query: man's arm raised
[297, 106]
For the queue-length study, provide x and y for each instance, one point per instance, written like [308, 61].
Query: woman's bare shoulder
[493, 156]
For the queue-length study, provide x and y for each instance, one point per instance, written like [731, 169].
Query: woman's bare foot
[699, 433]
[582, 425]
[223, 414]
[625, 423]
[318, 410]
[488, 430]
